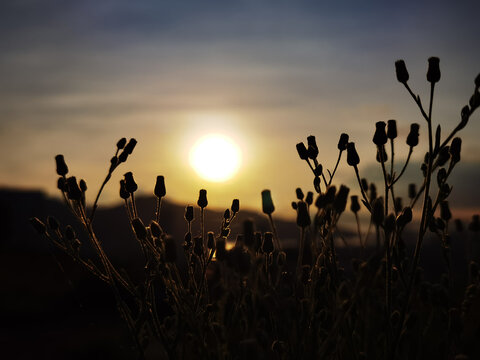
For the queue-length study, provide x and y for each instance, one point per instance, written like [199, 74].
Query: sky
[78, 75]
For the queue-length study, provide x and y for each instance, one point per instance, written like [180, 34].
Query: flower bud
[124, 194]
[155, 229]
[189, 213]
[316, 184]
[61, 184]
[299, 193]
[121, 143]
[445, 213]
[340, 202]
[235, 206]
[342, 142]
[294, 205]
[73, 191]
[130, 146]
[455, 149]
[159, 189]
[381, 154]
[354, 204]
[202, 199]
[312, 147]
[412, 191]
[309, 198]
[303, 217]
[318, 170]
[443, 156]
[433, 72]
[62, 168]
[39, 226]
[267, 246]
[412, 138]
[226, 215]
[380, 136]
[352, 156]
[391, 129]
[210, 240]
[130, 183]
[267, 202]
[302, 151]
[83, 185]
[170, 249]
[401, 71]
[139, 228]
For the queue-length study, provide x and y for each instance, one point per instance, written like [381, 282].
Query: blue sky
[78, 75]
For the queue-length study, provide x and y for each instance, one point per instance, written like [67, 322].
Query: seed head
[342, 142]
[312, 147]
[401, 71]
[189, 213]
[73, 190]
[130, 146]
[309, 198]
[160, 190]
[318, 170]
[391, 129]
[373, 191]
[433, 72]
[61, 184]
[267, 202]
[226, 215]
[354, 204]
[459, 225]
[202, 199]
[62, 168]
[302, 151]
[124, 194]
[380, 136]
[412, 138]
[294, 205]
[352, 156]
[299, 193]
[83, 185]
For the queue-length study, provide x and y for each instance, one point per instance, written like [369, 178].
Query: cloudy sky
[77, 75]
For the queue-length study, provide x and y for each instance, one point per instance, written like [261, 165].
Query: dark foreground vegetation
[259, 300]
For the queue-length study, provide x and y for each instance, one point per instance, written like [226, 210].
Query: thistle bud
[316, 184]
[312, 147]
[159, 189]
[352, 156]
[299, 193]
[226, 215]
[189, 213]
[39, 226]
[61, 184]
[340, 202]
[294, 205]
[202, 199]
[170, 249]
[130, 184]
[235, 206]
[445, 213]
[342, 142]
[53, 223]
[155, 229]
[130, 146]
[139, 228]
[455, 149]
[267, 202]
[70, 233]
[391, 129]
[303, 217]
[83, 185]
[309, 198]
[412, 138]
[380, 136]
[210, 240]
[302, 151]
[267, 246]
[124, 194]
[412, 191]
[354, 204]
[433, 72]
[381, 154]
[121, 143]
[443, 156]
[401, 71]
[318, 170]
[62, 168]
[122, 157]
[378, 212]
[73, 191]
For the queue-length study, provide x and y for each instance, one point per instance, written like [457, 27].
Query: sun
[215, 157]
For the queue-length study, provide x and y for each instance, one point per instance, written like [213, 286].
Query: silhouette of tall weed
[259, 300]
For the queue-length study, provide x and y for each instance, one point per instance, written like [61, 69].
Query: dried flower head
[299, 194]
[303, 217]
[401, 71]
[267, 202]
[391, 129]
[189, 213]
[352, 156]
[380, 136]
[130, 184]
[202, 199]
[121, 143]
[124, 194]
[62, 168]
[433, 72]
[342, 142]
[235, 206]
[159, 189]
[354, 204]
[412, 138]
[302, 151]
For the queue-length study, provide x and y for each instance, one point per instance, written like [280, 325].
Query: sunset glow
[215, 157]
